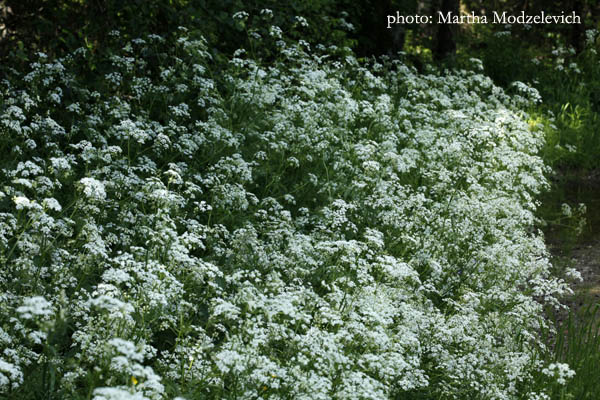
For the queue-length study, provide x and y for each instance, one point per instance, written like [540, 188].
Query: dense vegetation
[243, 207]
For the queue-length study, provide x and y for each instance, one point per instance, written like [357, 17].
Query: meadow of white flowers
[292, 228]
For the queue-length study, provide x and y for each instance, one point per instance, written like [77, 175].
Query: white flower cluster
[306, 229]
[560, 371]
[530, 93]
[93, 189]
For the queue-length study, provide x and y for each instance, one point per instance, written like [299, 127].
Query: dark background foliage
[57, 27]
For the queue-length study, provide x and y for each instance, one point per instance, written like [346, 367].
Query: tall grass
[575, 342]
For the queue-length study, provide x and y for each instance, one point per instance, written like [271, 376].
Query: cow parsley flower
[11, 377]
[93, 189]
[561, 371]
[35, 307]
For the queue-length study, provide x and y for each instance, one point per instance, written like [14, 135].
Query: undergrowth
[289, 224]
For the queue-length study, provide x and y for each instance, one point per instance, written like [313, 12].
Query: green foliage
[284, 222]
[61, 26]
[576, 342]
[568, 83]
[286, 170]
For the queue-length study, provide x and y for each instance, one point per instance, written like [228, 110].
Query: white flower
[115, 393]
[266, 12]
[34, 307]
[127, 349]
[10, 376]
[561, 371]
[275, 31]
[301, 21]
[22, 202]
[93, 189]
[241, 15]
[590, 36]
[52, 204]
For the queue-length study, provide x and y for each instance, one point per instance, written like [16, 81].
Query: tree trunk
[577, 37]
[445, 48]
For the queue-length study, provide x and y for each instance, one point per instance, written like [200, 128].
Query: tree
[445, 46]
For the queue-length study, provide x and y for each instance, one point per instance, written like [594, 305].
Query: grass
[576, 336]
[576, 343]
